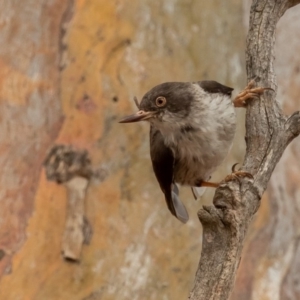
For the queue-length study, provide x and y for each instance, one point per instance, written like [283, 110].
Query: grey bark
[268, 132]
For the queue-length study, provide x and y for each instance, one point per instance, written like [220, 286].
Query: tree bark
[85, 61]
[268, 132]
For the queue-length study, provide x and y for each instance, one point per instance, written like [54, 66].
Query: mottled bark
[72, 168]
[30, 114]
[268, 132]
[102, 53]
[69, 71]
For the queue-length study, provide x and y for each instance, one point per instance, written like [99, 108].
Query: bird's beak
[138, 116]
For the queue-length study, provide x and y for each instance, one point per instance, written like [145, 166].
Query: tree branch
[268, 132]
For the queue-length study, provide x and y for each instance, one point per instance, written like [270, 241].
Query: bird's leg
[249, 93]
[201, 183]
[235, 175]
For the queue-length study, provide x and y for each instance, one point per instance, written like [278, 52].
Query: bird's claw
[249, 93]
[237, 175]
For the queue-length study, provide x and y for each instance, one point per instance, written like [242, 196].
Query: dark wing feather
[214, 87]
[163, 165]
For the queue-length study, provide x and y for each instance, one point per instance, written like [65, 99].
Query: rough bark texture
[30, 116]
[268, 132]
[93, 57]
[269, 267]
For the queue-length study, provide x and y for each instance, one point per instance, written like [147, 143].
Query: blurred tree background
[69, 70]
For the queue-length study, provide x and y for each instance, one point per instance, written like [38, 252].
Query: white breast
[200, 151]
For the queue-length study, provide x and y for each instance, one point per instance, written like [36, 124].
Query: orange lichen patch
[95, 23]
[38, 257]
[39, 264]
[103, 207]
[79, 4]
[15, 87]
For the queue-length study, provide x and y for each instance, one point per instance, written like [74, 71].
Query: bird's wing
[163, 166]
[214, 87]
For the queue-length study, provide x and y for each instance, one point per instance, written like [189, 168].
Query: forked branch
[268, 132]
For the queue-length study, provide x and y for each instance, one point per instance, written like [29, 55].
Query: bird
[192, 127]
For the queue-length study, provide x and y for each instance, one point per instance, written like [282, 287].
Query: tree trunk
[69, 72]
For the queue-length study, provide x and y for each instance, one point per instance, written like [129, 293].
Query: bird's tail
[176, 207]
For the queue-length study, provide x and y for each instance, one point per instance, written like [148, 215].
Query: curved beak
[138, 116]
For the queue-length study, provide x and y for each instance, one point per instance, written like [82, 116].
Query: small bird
[192, 126]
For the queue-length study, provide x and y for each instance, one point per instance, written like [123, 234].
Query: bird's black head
[168, 102]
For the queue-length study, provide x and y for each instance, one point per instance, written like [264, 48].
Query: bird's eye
[160, 101]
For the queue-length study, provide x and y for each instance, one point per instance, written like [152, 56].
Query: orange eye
[160, 101]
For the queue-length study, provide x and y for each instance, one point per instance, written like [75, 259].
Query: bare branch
[268, 132]
[293, 125]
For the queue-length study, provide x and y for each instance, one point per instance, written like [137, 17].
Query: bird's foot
[236, 175]
[249, 93]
